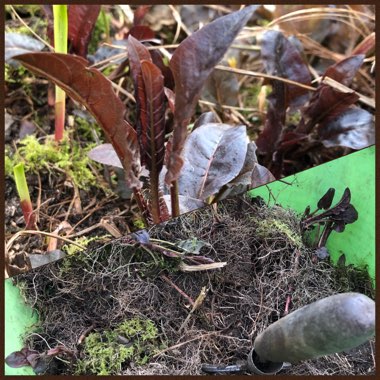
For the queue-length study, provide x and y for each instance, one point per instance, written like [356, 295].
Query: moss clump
[8, 165]
[84, 241]
[15, 74]
[106, 353]
[72, 260]
[267, 228]
[68, 156]
[139, 224]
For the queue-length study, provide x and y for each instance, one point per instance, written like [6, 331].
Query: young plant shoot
[23, 192]
[60, 45]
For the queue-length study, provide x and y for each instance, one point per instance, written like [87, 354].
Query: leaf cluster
[332, 218]
[222, 149]
[328, 117]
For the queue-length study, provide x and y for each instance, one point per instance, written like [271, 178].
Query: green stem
[60, 46]
[23, 192]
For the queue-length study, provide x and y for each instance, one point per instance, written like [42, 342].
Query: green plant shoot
[23, 192]
[60, 45]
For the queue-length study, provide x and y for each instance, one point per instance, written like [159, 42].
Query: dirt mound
[201, 316]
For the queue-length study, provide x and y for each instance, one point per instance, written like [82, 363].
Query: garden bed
[126, 307]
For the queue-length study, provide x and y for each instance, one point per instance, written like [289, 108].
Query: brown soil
[106, 285]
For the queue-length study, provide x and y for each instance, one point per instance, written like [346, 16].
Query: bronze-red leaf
[92, 89]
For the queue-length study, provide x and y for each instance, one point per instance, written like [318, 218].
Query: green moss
[84, 241]
[267, 228]
[138, 223]
[73, 259]
[8, 166]
[85, 128]
[69, 157]
[107, 352]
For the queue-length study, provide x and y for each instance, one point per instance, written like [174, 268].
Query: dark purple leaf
[344, 71]
[261, 176]
[205, 118]
[354, 128]
[150, 118]
[141, 33]
[325, 202]
[82, 19]
[137, 52]
[213, 154]
[339, 226]
[20, 358]
[153, 108]
[242, 182]
[325, 105]
[165, 70]
[348, 215]
[106, 155]
[139, 14]
[221, 87]
[191, 64]
[92, 89]
[281, 58]
[341, 261]
[170, 96]
[270, 137]
[343, 203]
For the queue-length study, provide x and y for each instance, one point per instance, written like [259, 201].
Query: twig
[198, 302]
[124, 92]
[172, 284]
[323, 10]
[84, 334]
[30, 29]
[180, 25]
[287, 304]
[196, 268]
[183, 343]
[262, 75]
[340, 87]
[211, 104]
[31, 232]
